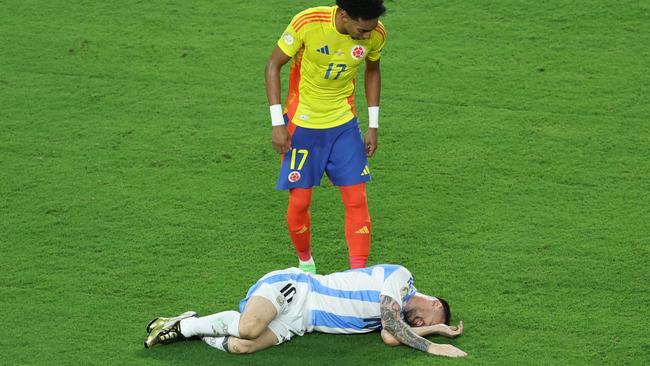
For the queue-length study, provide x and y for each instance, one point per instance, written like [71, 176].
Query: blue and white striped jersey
[343, 302]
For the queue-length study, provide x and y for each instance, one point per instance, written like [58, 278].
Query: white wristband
[373, 117]
[276, 115]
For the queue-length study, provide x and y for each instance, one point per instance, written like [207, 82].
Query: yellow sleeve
[379, 40]
[291, 41]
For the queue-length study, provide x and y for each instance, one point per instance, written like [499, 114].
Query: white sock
[220, 343]
[220, 324]
[310, 261]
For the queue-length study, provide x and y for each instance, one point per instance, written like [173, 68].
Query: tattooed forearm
[393, 323]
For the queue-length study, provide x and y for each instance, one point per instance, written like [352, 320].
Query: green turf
[512, 177]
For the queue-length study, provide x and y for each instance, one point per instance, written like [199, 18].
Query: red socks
[299, 221]
[357, 223]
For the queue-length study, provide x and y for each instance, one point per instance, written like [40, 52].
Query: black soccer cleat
[166, 330]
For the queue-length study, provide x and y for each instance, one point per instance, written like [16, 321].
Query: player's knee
[250, 332]
[357, 211]
[299, 200]
[250, 327]
[357, 205]
[354, 198]
[298, 214]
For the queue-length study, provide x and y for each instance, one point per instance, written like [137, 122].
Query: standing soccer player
[318, 132]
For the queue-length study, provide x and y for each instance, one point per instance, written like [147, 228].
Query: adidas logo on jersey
[325, 50]
[365, 171]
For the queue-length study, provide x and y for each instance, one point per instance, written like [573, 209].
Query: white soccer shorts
[289, 298]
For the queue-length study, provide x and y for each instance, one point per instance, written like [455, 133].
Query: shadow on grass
[312, 349]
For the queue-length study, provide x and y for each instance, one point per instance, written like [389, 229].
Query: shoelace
[169, 335]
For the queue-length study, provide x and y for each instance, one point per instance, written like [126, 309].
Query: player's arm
[437, 329]
[373, 82]
[272, 74]
[392, 322]
[373, 91]
[280, 137]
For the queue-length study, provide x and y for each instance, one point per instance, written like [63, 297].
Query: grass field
[512, 178]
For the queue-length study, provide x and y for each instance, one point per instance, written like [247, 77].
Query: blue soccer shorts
[337, 151]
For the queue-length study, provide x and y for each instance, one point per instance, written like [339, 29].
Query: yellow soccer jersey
[324, 67]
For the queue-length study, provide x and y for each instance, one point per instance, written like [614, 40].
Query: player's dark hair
[446, 309]
[364, 9]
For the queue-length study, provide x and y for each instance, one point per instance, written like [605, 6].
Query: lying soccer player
[292, 302]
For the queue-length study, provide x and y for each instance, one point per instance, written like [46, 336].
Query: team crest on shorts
[294, 176]
[358, 52]
[280, 300]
